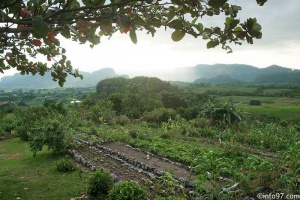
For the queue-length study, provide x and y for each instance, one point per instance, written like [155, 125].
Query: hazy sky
[280, 45]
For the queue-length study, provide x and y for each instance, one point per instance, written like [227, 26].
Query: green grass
[247, 99]
[283, 112]
[284, 108]
[28, 177]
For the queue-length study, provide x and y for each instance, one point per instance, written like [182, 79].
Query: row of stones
[140, 166]
[136, 165]
[129, 162]
[152, 155]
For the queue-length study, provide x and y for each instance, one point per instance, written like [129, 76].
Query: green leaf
[132, 34]
[176, 23]
[177, 35]
[256, 27]
[234, 23]
[61, 82]
[66, 16]
[216, 3]
[35, 1]
[241, 35]
[138, 20]
[249, 39]
[66, 32]
[261, 2]
[171, 14]
[212, 44]
[40, 27]
[28, 50]
[86, 2]
[2, 15]
[199, 27]
[53, 74]
[194, 20]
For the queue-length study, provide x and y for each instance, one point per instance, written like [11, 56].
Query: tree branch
[86, 8]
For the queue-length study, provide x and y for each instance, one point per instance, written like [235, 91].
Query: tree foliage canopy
[30, 27]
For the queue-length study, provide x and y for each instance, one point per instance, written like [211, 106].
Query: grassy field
[283, 112]
[284, 108]
[28, 177]
[247, 99]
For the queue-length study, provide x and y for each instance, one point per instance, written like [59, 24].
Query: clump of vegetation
[133, 133]
[122, 120]
[51, 132]
[65, 165]
[128, 190]
[100, 183]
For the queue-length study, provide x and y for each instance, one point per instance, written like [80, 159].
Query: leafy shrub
[22, 131]
[133, 133]
[65, 165]
[9, 122]
[100, 183]
[2, 132]
[189, 113]
[122, 120]
[165, 136]
[159, 115]
[93, 131]
[51, 132]
[129, 190]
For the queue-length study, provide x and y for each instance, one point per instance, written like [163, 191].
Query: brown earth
[124, 173]
[155, 161]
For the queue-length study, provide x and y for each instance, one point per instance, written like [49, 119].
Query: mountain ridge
[201, 73]
[37, 81]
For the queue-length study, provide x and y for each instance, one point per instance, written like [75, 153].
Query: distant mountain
[238, 74]
[220, 80]
[211, 74]
[235, 71]
[37, 81]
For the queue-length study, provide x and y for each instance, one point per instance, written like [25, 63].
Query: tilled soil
[163, 164]
[121, 171]
[127, 163]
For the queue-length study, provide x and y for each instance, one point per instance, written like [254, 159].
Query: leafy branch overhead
[30, 28]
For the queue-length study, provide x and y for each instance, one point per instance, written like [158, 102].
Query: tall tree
[31, 27]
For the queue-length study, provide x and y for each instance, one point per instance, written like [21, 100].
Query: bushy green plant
[100, 183]
[50, 131]
[64, 165]
[22, 131]
[122, 120]
[9, 122]
[2, 132]
[159, 115]
[102, 112]
[93, 131]
[128, 190]
[133, 133]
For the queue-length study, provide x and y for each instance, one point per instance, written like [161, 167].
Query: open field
[284, 108]
[283, 112]
[34, 178]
